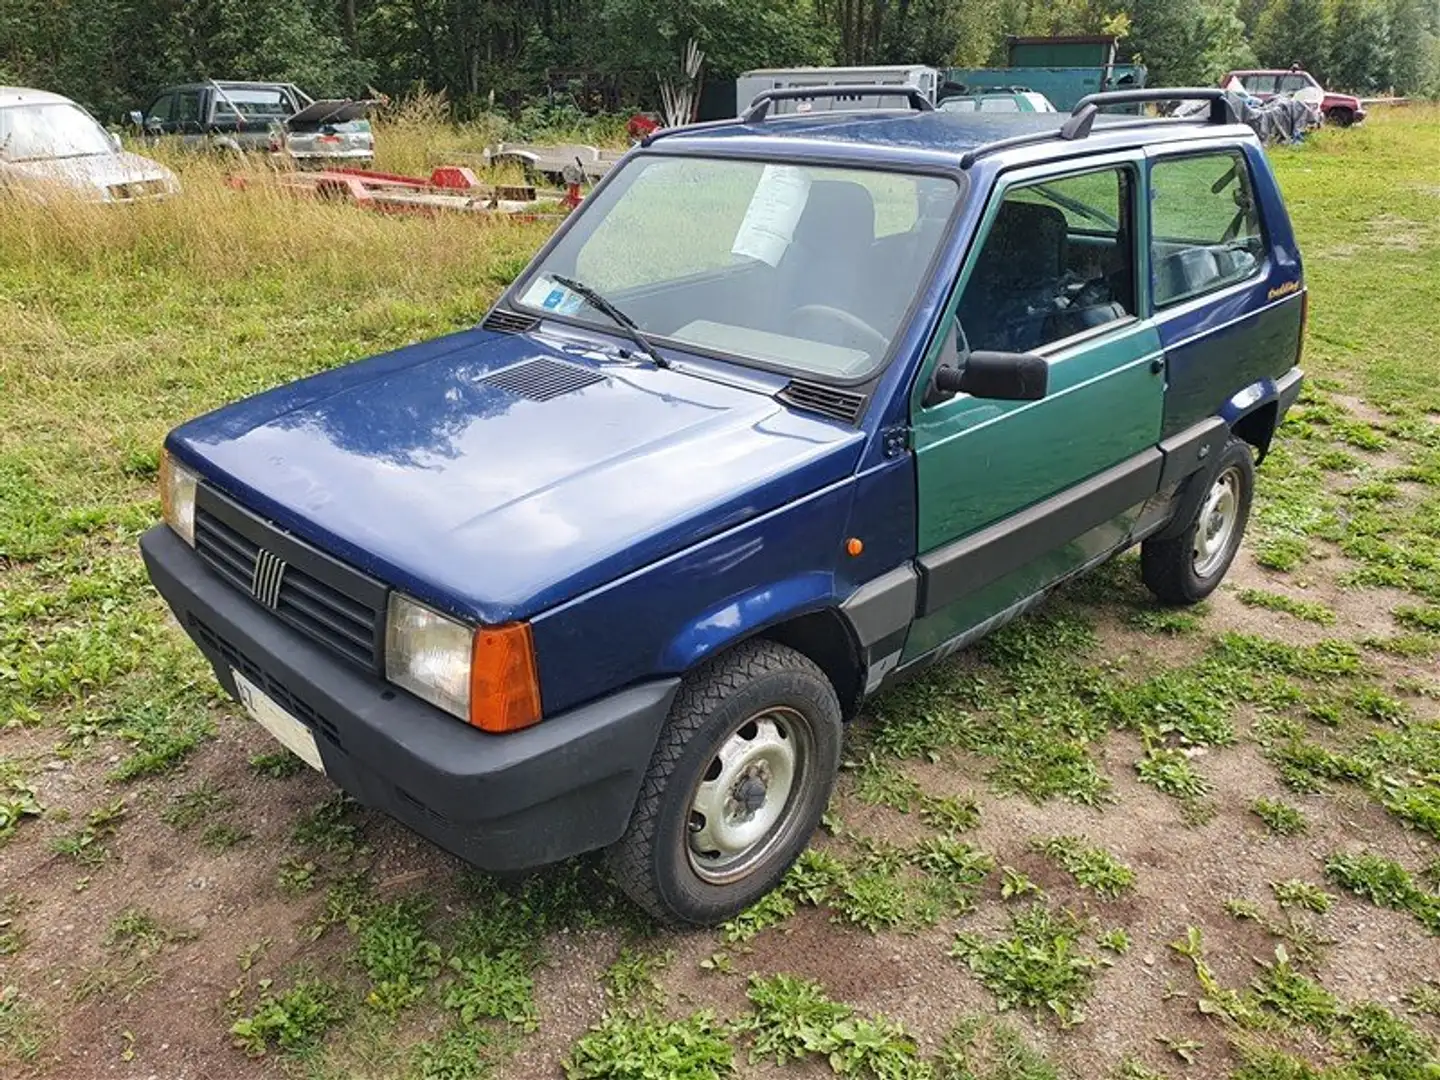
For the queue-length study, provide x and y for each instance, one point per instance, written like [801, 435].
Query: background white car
[49, 144]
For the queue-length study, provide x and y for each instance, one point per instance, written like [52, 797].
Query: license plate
[293, 735]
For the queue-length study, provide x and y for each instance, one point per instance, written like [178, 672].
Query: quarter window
[1058, 260]
[1205, 225]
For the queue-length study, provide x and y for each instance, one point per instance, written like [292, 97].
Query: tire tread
[702, 692]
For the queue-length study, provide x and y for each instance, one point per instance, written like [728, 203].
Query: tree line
[112, 54]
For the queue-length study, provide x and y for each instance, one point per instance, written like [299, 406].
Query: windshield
[793, 266]
[60, 130]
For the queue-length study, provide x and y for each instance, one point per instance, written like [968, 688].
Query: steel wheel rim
[1219, 519]
[742, 806]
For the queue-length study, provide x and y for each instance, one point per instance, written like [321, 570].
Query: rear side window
[187, 107]
[254, 103]
[1205, 225]
[1058, 260]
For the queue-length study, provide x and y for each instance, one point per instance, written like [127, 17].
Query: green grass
[1308, 610]
[496, 987]
[792, 1019]
[1385, 883]
[394, 948]
[1093, 868]
[291, 1020]
[645, 1047]
[1040, 965]
[1296, 893]
[89, 844]
[1279, 817]
[189, 808]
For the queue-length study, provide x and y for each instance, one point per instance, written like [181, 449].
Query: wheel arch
[825, 637]
[801, 613]
[1257, 427]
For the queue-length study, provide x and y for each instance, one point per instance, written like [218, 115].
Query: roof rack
[1082, 117]
[759, 108]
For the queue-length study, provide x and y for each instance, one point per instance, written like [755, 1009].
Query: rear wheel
[1185, 569]
[742, 772]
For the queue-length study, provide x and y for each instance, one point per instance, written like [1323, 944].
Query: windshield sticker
[546, 294]
[774, 209]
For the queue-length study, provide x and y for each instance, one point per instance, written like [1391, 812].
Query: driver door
[1016, 495]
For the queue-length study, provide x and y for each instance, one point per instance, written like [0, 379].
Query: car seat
[828, 258]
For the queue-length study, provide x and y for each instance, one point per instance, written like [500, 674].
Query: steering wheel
[859, 333]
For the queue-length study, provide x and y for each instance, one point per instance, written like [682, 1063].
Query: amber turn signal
[504, 687]
[854, 546]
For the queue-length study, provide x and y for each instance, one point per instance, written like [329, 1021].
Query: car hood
[95, 173]
[418, 468]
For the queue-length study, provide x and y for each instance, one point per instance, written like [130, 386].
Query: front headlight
[484, 676]
[428, 654]
[177, 497]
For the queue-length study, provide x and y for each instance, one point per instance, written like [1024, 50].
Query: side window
[187, 107]
[1293, 84]
[1260, 84]
[161, 108]
[1205, 225]
[1059, 259]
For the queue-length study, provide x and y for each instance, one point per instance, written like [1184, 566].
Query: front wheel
[1340, 117]
[742, 772]
[1187, 568]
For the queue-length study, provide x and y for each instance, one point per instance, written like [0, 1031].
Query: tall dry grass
[231, 222]
[119, 321]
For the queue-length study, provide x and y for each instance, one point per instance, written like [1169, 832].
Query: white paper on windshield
[774, 209]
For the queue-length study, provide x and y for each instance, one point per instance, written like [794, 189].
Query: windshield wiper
[618, 317]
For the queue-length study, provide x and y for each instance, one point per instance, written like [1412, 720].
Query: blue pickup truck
[790, 408]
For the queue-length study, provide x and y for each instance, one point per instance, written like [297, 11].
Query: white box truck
[927, 79]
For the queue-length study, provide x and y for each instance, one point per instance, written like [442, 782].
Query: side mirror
[1000, 376]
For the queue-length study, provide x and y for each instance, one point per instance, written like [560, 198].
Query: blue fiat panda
[791, 407]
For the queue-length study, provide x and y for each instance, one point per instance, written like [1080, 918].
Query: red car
[1342, 109]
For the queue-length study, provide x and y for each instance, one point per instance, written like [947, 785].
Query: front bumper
[501, 802]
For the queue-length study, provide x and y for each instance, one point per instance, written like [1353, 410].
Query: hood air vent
[844, 405]
[509, 322]
[542, 379]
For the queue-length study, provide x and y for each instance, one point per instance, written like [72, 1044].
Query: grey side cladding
[880, 612]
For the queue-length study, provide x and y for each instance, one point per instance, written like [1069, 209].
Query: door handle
[1157, 366]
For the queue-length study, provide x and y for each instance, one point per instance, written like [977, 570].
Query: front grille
[275, 690]
[327, 601]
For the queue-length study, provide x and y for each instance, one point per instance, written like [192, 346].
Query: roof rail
[759, 108]
[1082, 117]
